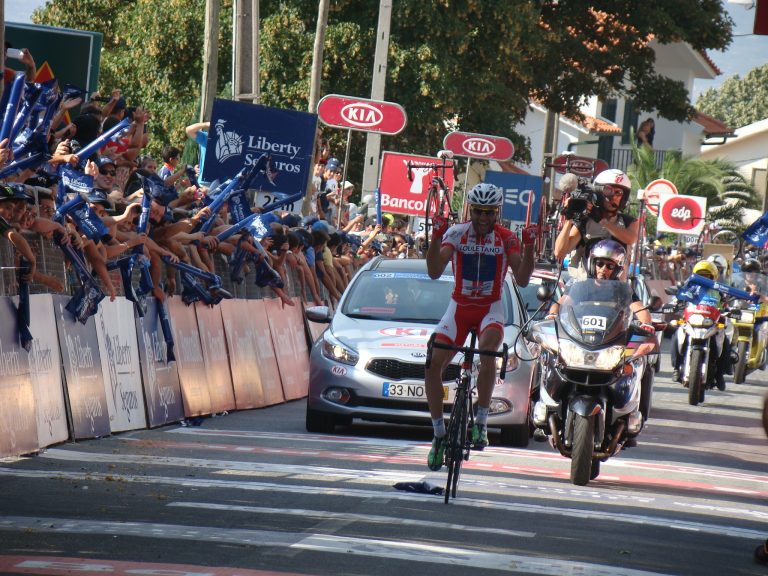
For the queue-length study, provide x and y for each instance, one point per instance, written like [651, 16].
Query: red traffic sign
[361, 114]
[579, 165]
[479, 146]
[654, 190]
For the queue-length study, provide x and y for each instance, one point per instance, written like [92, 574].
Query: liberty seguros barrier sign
[361, 114]
[480, 146]
[241, 132]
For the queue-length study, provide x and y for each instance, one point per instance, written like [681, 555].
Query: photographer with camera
[593, 213]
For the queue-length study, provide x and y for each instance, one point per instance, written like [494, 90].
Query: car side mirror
[320, 314]
[543, 294]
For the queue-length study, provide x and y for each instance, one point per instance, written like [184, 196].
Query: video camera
[579, 200]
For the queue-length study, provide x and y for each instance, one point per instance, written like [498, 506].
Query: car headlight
[334, 349]
[700, 320]
[577, 357]
[512, 362]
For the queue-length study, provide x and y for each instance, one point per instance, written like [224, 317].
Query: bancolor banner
[519, 191]
[240, 133]
[400, 195]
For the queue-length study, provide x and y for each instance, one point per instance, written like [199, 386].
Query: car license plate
[397, 390]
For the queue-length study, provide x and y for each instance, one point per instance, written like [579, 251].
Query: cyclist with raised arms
[480, 251]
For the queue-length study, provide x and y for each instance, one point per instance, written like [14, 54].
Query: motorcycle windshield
[753, 282]
[596, 312]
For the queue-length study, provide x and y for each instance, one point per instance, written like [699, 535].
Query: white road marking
[347, 492]
[326, 515]
[328, 543]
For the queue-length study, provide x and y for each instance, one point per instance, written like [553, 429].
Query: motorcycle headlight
[334, 349]
[577, 357]
[700, 320]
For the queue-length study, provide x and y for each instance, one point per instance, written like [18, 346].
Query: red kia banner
[579, 165]
[479, 146]
[400, 195]
[361, 114]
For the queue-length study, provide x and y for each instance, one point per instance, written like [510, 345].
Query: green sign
[72, 56]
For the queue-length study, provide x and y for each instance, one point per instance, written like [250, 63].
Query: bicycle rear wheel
[456, 437]
[437, 204]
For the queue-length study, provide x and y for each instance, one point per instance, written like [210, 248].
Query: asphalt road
[252, 493]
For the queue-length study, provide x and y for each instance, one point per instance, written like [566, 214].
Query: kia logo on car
[338, 371]
[362, 115]
[478, 147]
[418, 354]
[405, 332]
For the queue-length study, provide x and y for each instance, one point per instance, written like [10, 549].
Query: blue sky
[746, 51]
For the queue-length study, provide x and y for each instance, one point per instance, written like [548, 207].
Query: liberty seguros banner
[241, 132]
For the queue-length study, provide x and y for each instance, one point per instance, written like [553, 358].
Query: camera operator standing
[594, 213]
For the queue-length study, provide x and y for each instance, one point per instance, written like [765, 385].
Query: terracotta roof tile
[712, 126]
[710, 62]
[600, 126]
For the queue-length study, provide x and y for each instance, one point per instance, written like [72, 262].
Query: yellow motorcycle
[750, 337]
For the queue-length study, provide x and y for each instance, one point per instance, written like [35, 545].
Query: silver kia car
[369, 362]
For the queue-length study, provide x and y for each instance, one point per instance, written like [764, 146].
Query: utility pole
[210, 58]
[373, 140]
[246, 52]
[551, 127]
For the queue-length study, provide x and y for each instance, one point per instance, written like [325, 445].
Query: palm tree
[719, 181]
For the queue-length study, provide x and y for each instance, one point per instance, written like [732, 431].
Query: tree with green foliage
[470, 64]
[719, 181]
[738, 101]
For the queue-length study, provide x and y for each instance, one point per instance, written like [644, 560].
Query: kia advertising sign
[579, 165]
[653, 192]
[681, 214]
[479, 146]
[361, 114]
[398, 194]
[519, 191]
[241, 132]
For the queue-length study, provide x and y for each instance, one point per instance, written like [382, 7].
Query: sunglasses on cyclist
[484, 211]
[610, 266]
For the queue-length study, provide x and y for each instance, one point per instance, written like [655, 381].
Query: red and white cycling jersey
[479, 263]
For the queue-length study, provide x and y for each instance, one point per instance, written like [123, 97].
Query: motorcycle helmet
[721, 263]
[485, 195]
[705, 268]
[614, 177]
[607, 250]
[751, 265]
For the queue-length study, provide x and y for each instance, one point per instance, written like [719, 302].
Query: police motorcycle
[700, 336]
[750, 340]
[592, 358]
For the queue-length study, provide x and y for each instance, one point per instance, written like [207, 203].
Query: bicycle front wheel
[456, 440]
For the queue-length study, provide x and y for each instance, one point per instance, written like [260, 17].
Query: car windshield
[596, 311]
[403, 297]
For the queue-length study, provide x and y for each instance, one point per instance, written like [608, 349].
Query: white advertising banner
[116, 331]
[45, 369]
[681, 214]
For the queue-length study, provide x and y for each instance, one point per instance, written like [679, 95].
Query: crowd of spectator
[319, 250]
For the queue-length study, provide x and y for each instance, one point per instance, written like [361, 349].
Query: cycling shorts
[459, 319]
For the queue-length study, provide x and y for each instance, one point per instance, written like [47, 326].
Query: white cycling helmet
[485, 195]
[614, 177]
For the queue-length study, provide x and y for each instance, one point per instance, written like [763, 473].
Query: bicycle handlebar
[468, 350]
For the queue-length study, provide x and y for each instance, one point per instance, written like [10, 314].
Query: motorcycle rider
[706, 269]
[578, 237]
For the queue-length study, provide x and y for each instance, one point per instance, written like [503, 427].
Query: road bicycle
[439, 198]
[458, 436]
